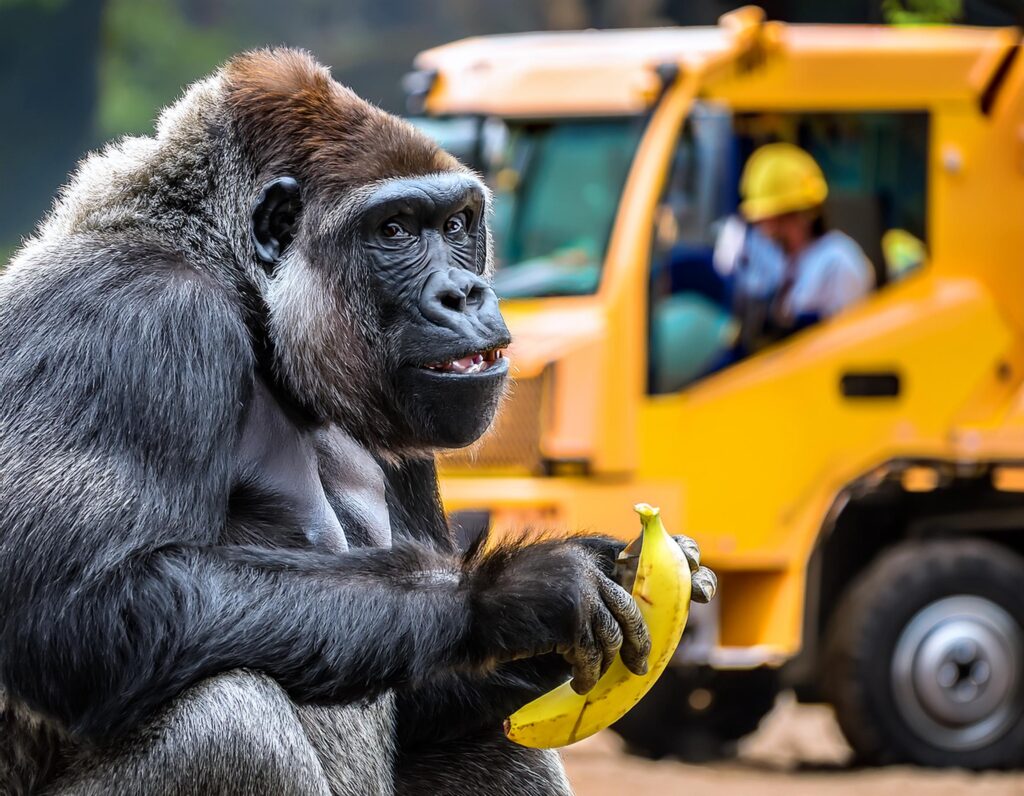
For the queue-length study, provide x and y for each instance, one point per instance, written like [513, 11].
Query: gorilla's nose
[461, 301]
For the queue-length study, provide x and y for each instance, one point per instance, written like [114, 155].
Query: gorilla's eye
[456, 225]
[392, 229]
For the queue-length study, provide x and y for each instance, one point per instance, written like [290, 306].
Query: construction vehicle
[857, 487]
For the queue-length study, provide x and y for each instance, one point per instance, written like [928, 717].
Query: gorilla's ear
[275, 217]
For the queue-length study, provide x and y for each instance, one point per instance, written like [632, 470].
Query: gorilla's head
[370, 249]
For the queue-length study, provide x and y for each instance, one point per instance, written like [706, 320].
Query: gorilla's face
[426, 240]
[382, 311]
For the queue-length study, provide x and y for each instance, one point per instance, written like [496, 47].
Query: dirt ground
[798, 751]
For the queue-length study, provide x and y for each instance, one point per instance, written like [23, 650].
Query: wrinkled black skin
[139, 555]
[446, 312]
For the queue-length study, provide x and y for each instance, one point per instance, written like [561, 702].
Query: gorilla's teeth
[474, 363]
[468, 364]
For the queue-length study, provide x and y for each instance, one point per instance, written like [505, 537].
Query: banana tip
[646, 510]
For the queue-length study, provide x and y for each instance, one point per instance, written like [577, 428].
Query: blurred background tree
[922, 12]
[75, 73]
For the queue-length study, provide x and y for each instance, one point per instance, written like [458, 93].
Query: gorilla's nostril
[453, 301]
[475, 297]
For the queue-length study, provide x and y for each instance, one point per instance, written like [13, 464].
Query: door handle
[870, 384]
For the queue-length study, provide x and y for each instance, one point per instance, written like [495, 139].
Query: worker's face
[791, 231]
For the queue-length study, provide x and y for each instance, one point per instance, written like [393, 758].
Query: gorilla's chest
[298, 486]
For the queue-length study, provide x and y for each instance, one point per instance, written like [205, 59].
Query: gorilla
[227, 358]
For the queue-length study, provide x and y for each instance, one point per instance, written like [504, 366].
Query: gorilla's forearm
[326, 627]
[101, 653]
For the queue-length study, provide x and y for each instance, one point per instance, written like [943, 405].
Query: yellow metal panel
[611, 72]
[750, 603]
[920, 479]
[623, 290]
[590, 72]
[838, 67]
[977, 195]
[1009, 479]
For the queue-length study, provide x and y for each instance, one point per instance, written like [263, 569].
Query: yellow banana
[662, 592]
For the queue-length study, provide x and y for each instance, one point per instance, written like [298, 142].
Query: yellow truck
[859, 486]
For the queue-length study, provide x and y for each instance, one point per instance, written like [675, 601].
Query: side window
[705, 257]
[690, 322]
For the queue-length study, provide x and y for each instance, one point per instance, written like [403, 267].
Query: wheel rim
[956, 672]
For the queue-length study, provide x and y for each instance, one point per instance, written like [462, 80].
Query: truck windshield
[557, 185]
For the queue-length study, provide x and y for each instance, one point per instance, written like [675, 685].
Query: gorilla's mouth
[477, 362]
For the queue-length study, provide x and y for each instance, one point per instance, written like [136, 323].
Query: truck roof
[613, 71]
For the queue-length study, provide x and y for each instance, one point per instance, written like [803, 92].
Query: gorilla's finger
[703, 585]
[608, 635]
[690, 550]
[636, 641]
[586, 660]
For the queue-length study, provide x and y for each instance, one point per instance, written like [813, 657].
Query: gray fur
[233, 735]
[161, 227]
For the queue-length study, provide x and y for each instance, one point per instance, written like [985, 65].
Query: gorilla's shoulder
[90, 287]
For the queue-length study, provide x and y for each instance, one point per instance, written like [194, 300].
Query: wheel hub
[956, 672]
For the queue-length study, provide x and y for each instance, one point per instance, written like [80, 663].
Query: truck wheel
[924, 658]
[698, 714]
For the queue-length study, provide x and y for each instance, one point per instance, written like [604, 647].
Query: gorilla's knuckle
[609, 630]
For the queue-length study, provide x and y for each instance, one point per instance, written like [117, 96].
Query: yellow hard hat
[780, 178]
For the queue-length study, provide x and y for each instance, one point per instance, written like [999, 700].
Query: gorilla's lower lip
[456, 369]
[471, 364]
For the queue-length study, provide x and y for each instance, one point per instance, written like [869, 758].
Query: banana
[662, 592]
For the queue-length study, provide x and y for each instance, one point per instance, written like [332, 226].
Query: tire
[698, 714]
[924, 657]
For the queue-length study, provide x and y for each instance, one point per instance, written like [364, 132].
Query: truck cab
[859, 486]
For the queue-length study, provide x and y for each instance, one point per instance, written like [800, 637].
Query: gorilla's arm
[122, 404]
[462, 704]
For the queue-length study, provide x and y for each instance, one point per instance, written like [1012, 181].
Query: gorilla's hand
[555, 597]
[703, 582]
[619, 561]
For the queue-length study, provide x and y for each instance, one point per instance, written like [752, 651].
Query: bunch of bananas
[662, 592]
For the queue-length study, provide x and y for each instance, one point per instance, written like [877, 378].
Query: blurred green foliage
[149, 52]
[922, 12]
[48, 5]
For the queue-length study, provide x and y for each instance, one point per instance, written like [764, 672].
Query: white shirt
[831, 274]
[828, 276]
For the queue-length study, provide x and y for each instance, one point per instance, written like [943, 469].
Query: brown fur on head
[297, 118]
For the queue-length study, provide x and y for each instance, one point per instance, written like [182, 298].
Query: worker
[787, 269]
